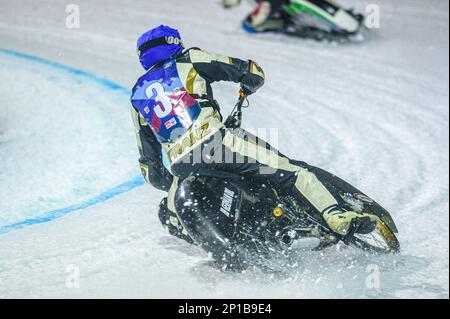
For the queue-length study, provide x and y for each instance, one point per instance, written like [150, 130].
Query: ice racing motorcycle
[321, 20]
[242, 222]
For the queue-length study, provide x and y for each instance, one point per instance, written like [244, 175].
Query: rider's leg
[293, 177]
[266, 17]
[240, 152]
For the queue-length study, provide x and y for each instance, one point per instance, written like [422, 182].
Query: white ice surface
[45, 113]
[374, 113]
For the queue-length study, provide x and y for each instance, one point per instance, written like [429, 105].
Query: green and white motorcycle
[320, 20]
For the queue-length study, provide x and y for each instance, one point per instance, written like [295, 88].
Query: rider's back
[175, 93]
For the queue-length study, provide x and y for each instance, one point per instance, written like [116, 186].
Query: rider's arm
[214, 68]
[150, 159]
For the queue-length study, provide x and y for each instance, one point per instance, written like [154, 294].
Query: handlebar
[234, 120]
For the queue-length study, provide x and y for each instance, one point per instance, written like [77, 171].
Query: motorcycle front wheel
[381, 240]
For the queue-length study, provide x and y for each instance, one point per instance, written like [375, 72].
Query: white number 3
[156, 92]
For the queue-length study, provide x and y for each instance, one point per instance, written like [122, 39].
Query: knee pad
[260, 14]
[170, 221]
[164, 213]
[168, 218]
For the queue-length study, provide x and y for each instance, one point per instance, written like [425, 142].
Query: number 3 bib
[164, 103]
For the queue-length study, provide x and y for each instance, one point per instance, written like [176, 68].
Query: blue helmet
[158, 45]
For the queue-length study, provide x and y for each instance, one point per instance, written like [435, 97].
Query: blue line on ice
[106, 195]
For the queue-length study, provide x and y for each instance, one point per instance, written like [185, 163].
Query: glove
[246, 90]
[252, 79]
[228, 4]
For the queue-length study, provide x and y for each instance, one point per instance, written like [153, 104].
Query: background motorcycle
[321, 20]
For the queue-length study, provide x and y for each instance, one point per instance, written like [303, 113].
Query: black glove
[246, 90]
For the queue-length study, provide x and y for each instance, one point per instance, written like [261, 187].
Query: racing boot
[343, 222]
